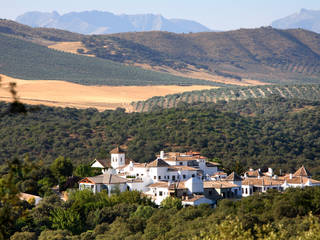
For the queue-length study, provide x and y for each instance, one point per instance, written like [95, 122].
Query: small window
[193, 175]
[155, 177]
[173, 178]
[181, 163]
[160, 193]
[159, 177]
[184, 176]
[137, 174]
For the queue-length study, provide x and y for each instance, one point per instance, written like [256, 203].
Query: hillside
[306, 19]
[38, 35]
[266, 54]
[306, 92]
[275, 132]
[26, 60]
[98, 22]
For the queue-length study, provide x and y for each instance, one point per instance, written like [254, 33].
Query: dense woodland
[273, 132]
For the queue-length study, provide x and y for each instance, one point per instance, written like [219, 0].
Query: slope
[26, 60]
[266, 54]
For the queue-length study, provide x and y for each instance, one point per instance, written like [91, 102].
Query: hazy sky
[215, 14]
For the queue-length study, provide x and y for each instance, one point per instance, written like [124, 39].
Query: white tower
[118, 158]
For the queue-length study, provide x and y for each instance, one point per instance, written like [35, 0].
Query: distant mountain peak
[92, 22]
[305, 18]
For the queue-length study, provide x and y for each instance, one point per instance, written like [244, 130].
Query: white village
[187, 176]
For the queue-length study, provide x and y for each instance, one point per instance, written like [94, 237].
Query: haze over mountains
[98, 22]
[306, 19]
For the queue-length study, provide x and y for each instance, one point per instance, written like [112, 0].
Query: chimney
[270, 171]
[290, 175]
[162, 154]
[131, 164]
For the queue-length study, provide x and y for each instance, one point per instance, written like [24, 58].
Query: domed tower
[118, 158]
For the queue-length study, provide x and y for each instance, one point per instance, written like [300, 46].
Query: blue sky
[216, 14]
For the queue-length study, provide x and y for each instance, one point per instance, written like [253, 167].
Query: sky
[215, 14]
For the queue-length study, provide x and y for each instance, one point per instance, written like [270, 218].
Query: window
[192, 175]
[160, 193]
[154, 177]
[173, 178]
[180, 163]
[184, 176]
[246, 190]
[242, 191]
[159, 177]
[137, 174]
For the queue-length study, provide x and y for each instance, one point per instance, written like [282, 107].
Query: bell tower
[118, 157]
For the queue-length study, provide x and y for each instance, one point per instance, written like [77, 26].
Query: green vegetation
[26, 60]
[267, 54]
[273, 132]
[293, 214]
[308, 92]
[36, 34]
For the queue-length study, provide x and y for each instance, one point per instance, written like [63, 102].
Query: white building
[257, 181]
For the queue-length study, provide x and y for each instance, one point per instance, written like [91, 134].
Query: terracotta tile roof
[159, 185]
[233, 177]
[117, 150]
[219, 174]
[300, 180]
[158, 163]
[264, 181]
[218, 184]
[105, 179]
[182, 168]
[302, 172]
[212, 164]
[27, 196]
[255, 173]
[104, 163]
[193, 198]
[170, 186]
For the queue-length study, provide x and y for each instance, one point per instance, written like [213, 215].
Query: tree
[66, 219]
[171, 202]
[61, 169]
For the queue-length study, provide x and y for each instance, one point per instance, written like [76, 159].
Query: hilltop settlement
[188, 176]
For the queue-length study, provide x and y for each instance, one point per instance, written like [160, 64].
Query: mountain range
[306, 19]
[98, 22]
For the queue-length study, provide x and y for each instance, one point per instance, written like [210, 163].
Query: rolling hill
[266, 54]
[305, 92]
[26, 60]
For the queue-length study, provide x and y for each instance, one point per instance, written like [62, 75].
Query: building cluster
[188, 176]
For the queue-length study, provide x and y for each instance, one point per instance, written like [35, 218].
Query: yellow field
[66, 94]
[70, 47]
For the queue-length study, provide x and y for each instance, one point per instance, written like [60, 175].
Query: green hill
[308, 92]
[273, 132]
[267, 54]
[33, 34]
[26, 60]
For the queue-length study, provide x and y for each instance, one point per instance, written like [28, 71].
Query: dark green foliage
[221, 95]
[25, 60]
[274, 132]
[36, 34]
